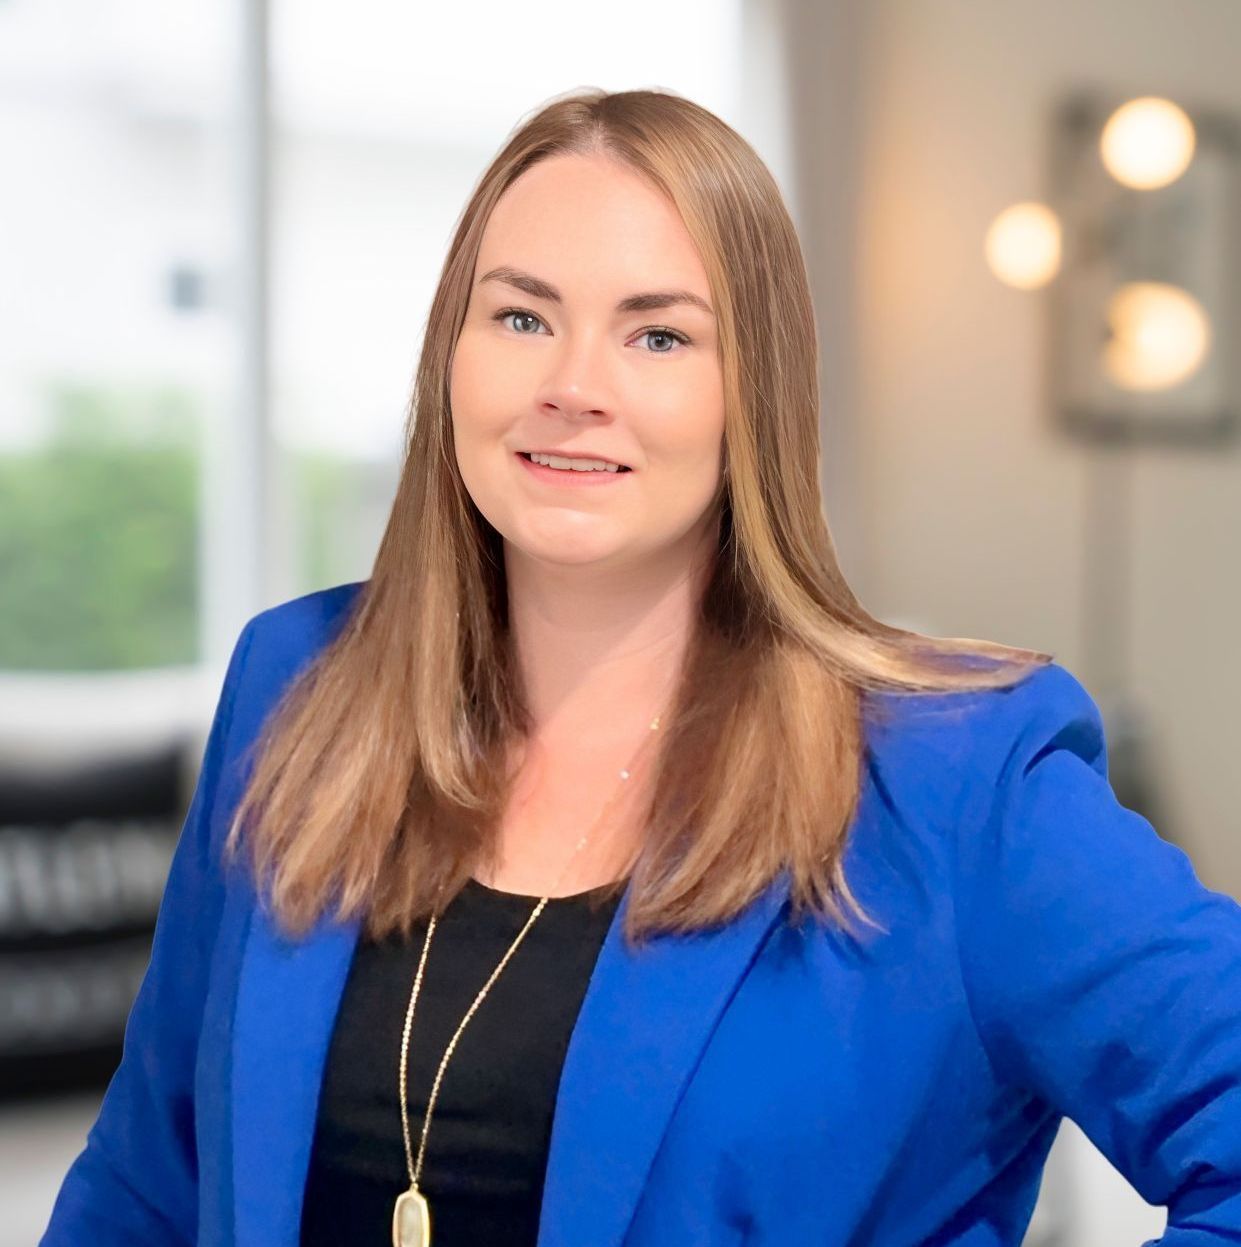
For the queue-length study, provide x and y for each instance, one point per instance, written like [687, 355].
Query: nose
[577, 383]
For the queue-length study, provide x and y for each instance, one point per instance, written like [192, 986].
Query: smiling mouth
[525, 454]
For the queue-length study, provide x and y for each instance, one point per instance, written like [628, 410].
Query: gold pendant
[411, 1220]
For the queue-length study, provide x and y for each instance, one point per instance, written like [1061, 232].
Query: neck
[599, 648]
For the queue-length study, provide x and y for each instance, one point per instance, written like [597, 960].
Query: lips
[567, 480]
[562, 454]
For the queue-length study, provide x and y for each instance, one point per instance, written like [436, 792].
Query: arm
[135, 1182]
[1102, 974]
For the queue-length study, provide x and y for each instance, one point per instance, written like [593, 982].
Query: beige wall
[960, 511]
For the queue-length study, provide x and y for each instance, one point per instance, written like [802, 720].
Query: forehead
[590, 220]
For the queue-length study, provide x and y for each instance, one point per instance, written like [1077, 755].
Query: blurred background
[219, 232]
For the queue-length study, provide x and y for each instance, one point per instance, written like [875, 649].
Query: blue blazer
[761, 1083]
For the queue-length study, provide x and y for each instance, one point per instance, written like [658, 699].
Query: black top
[487, 1145]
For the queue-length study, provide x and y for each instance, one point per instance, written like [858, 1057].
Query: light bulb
[1160, 335]
[1147, 143]
[1023, 245]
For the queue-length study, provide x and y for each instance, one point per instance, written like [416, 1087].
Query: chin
[564, 553]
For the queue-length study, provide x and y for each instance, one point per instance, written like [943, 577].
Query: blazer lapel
[644, 1020]
[287, 1000]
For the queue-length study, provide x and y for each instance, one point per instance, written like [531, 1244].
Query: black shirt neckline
[527, 901]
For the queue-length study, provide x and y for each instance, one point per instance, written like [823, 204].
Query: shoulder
[958, 751]
[309, 621]
[284, 637]
[278, 643]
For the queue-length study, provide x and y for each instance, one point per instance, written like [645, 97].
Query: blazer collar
[644, 1020]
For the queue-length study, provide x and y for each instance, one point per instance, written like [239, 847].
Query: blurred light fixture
[1150, 271]
[1159, 336]
[1147, 143]
[1023, 245]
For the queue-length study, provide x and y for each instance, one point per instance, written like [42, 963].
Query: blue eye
[514, 311]
[655, 331]
[665, 333]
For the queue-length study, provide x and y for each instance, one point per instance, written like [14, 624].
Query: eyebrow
[649, 301]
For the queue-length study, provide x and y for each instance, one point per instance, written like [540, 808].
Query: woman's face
[589, 334]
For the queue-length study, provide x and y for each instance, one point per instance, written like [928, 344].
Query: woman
[599, 870]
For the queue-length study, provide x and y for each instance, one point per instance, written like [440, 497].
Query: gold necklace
[411, 1215]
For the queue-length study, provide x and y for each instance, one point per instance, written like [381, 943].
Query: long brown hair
[381, 776]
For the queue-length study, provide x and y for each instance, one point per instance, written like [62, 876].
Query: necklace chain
[415, 1167]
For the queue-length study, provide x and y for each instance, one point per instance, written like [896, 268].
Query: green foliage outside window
[98, 534]
[99, 531]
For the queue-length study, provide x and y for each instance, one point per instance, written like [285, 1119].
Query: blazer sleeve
[135, 1182]
[1102, 974]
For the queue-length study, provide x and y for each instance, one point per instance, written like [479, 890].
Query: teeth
[575, 465]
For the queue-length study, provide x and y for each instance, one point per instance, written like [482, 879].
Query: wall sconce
[1139, 249]
[1145, 311]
